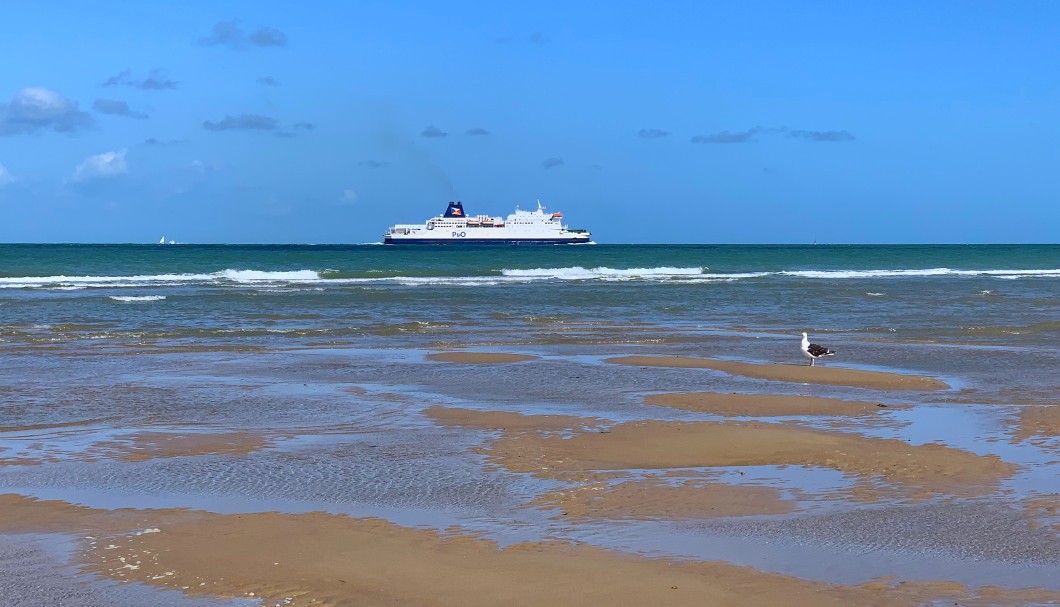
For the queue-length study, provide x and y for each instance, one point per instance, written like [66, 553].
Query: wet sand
[763, 405]
[1039, 422]
[335, 560]
[148, 445]
[834, 376]
[479, 358]
[508, 421]
[659, 499]
[920, 470]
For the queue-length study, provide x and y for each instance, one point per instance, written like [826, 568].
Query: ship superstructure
[454, 226]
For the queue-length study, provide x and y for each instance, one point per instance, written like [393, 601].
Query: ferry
[454, 226]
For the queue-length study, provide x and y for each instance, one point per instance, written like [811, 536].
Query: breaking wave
[130, 298]
[313, 279]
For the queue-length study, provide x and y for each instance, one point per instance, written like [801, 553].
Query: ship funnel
[456, 209]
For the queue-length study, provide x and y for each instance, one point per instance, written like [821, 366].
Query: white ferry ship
[534, 227]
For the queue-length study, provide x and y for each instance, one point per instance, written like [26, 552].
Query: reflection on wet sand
[660, 499]
[479, 357]
[764, 405]
[791, 373]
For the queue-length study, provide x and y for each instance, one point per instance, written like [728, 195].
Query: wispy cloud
[242, 122]
[6, 178]
[553, 162]
[116, 108]
[373, 164]
[153, 142]
[727, 137]
[433, 131]
[537, 38]
[822, 135]
[268, 81]
[303, 126]
[349, 196]
[101, 166]
[652, 133]
[477, 131]
[229, 34]
[36, 109]
[155, 81]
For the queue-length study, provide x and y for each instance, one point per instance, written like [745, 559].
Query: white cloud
[6, 178]
[97, 166]
[349, 196]
[34, 108]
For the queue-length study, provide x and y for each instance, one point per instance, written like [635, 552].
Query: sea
[324, 348]
[76, 295]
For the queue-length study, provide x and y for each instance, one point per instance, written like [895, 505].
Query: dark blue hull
[387, 240]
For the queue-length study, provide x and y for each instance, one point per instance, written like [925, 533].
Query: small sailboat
[162, 240]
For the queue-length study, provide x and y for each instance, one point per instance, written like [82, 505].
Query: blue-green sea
[283, 293]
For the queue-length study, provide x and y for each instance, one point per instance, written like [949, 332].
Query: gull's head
[804, 335]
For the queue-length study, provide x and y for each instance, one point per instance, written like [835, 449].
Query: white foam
[602, 273]
[259, 276]
[839, 274]
[149, 280]
[312, 278]
[127, 298]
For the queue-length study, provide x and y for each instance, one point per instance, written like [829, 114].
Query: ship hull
[391, 240]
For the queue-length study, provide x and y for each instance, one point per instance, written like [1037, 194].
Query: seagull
[813, 350]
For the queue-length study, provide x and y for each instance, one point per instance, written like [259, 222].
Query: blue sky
[324, 122]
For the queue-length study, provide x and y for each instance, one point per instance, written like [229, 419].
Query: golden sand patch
[657, 498]
[753, 405]
[1046, 508]
[333, 560]
[479, 358]
[1039, 422]
[512, 422]
[659, 445]
[149, 445]
[803, 374]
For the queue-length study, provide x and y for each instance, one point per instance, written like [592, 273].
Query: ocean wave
[834, 274]
[130, 298]
[153, 280]
[580, 273]
[328, 277]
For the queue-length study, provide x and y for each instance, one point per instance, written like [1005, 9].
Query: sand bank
[918, 469]
[1041, 422]
[804, 374]
[333, 560]
[764, 405]
[479, 358]
[656, 498]
[512, 422]
[149, 445]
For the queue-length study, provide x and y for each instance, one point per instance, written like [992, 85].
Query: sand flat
[919, 469]
[333, 560]
[766, 405]
[479, 358]
[508, 421]
[146, 445]
[657, 498]
[803, 374]
[1041, 422]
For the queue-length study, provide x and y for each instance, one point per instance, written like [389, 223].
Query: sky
[676, 122]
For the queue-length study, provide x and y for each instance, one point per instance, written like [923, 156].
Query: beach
[609, 425]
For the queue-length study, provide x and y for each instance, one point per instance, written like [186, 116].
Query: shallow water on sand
[321, 384]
